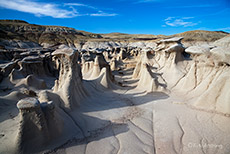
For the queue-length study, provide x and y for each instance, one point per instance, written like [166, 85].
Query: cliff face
[52, 35]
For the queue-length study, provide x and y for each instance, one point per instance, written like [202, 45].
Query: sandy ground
[128, 121]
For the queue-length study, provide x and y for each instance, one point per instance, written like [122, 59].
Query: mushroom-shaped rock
[69, 85]
[96, 68]
[105, 79]
[164, 60]
[169, 40]
[28, 103]
[122, 54]
[165, 44]
[198, 50]
[87, 68]
[145, 59]
[113, 64]
[175, 48]
[33, 132]
[150, 81]
[106, 55]
[99, 63]
[221, 55]
[223, 42]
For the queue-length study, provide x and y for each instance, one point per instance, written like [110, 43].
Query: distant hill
[201, 35]
[117, 35]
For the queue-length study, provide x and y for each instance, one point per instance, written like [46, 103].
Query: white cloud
[79, 4]
[99, 13]
[103, 14]
[187, 18]
[75, 4]
[50, 9]
[169, 18]
[176, 22]
[38, 8]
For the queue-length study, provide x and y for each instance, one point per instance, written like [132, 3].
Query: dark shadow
[75, 142]
[107, 99]
[130, 81]
[127, 72]
[106, 129]
[127, 78]
[186, 56]
[91, 129]
[156, 76]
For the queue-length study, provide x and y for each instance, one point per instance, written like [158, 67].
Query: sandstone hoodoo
[68, 91]
[33, 131]
[69, 84]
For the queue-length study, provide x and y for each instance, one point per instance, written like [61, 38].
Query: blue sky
[126, 16]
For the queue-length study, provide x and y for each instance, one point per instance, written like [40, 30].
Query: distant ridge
[24, 31]
[201, 35]
[14, 21]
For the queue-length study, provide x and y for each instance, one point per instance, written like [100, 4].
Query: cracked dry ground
[131, 121]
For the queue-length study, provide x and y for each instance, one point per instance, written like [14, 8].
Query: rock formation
[69, 84]
[33, 127]
[38, 125]
[156, 64]
[69, 91]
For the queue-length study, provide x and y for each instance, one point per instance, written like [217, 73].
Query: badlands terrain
[68, 91]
